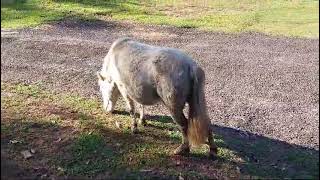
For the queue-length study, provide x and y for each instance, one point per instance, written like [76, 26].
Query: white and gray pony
[145, 74]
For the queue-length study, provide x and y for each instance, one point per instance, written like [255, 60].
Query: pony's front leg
[130, 104]
[213, 147]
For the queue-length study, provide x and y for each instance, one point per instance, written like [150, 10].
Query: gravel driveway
[265, 85]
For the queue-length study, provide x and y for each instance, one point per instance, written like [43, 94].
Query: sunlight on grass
[290, 18]
[78, 138]
[176, 135]
[98, 146]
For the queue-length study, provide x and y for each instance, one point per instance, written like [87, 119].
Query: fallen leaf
[14, 141]
[180, 177]
[118, 125]
[145, 170]
[60, 169]
[58, 140]
[44, 176]
[26, 154]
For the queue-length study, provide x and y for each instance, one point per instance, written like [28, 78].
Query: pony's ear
[100, 77]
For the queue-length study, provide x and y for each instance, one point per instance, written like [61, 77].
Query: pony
[144, 75]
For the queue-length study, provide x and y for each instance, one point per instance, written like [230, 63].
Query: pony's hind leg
[182, 122]
[213, 147]
[142, 121]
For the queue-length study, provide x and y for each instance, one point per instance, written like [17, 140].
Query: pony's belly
[144, 95]
[147, 101]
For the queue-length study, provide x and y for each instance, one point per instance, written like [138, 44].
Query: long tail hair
[198, 122]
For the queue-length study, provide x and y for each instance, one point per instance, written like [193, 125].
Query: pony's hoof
[134, 130]
[213, 156]
[142, 122]
[183, 149]
[213, 153]
[214, 150]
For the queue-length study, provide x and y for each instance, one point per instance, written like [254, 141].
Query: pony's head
[109, 91]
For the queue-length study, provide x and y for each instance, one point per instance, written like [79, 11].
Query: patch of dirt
[202, 164]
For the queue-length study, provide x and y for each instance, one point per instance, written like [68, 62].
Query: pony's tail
[198, 122]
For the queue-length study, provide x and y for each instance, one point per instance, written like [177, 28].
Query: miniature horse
[145, 74]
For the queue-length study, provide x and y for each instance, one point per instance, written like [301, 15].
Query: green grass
[289, 18]
[89, 153]
[92, 146]
[97, 147]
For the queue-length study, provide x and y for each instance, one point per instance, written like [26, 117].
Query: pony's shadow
[121, 112]
[261, 156]
[162, 119]
[148, 117]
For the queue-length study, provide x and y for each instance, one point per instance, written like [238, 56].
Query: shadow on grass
[21, 14]
[12, 2]
[98, 154]
[86, 23]
[268, 157]
[115, 5]
[73, 14]
[96, 151]
[108, 8]
[83, 147]
[121, 112]
[162, 119]
[265, 157]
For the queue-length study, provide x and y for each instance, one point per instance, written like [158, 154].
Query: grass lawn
[73, 137]
[289, 18]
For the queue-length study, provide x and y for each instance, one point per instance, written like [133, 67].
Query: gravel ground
[261, 84]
